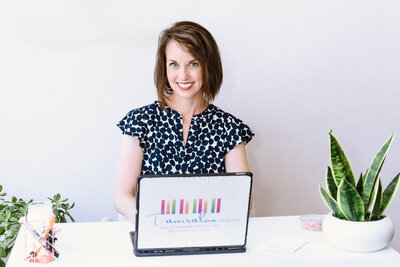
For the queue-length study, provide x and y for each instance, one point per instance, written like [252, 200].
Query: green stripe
[213, 206]
[173, 206]
[195, 206]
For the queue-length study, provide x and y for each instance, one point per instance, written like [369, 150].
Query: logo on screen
[198, 205]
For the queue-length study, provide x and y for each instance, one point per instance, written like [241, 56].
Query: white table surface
[109, 244]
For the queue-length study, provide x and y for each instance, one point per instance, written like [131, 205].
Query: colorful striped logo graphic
[198, 205]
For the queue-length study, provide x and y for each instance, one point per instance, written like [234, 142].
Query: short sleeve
[134, 124]
[237, 132]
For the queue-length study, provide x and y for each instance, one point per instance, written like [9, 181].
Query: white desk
[108, 244]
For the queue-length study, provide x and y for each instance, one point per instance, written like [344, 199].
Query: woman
[182, 132]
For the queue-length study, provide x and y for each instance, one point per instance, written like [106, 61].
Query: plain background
[293, 70]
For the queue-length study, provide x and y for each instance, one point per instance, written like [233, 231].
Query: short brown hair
[201, 45]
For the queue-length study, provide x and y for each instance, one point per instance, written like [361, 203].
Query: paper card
[285, 245]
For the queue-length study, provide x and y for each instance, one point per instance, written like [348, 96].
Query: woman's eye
[172, 64]
[194, 64]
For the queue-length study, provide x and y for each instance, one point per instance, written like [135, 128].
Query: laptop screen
[192, 210]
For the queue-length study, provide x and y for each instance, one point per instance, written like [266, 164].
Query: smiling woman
[182, 132]
[184, 75]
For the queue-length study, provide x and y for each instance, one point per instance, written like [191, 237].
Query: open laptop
[191, 214]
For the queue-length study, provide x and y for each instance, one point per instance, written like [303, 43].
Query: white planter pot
[358, 236]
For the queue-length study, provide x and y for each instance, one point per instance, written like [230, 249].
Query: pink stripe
[219, 205]
[181, 207]
[162, 206]
[200, 205]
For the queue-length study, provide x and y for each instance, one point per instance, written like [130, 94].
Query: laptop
[191, 214]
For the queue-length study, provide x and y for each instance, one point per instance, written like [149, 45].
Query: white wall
[69, 70]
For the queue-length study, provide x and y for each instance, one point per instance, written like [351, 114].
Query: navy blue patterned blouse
[212, 134]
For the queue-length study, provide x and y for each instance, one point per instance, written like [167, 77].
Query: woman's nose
[183, 74]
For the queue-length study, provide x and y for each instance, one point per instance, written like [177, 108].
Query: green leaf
[340, 165]
[69, 215]
[8, 215]
[2, 253]
[373, 196]
[331, 203]
[373, 172]
[359, 186]
[350, 202]
[389, 194]
[375, 214]
[330, 183]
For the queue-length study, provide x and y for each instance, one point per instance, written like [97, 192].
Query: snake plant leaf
[373, 172]
[375, 214]
[350, 202]
[330, 183]
[331, 203]
[371, 199]
[340, 165]
[389, 194]
[359, 186]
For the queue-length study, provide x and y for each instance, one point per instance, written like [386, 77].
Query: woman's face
[184, 72]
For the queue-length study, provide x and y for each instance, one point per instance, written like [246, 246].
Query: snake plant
[351, 200]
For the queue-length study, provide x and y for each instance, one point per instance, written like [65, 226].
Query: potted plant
[357, 222]
[12, 210]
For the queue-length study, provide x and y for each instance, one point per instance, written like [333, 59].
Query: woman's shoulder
[144, 110]
[141, 116]
[237, 131]
[221, 115]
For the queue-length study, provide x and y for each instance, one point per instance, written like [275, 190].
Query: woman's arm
[236, 161]
[129, 168]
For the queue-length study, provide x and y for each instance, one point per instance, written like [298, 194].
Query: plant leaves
[359, 186]
[389, 194]
[2, 253]
[373, 196]
[330, 183]
[350, 202]
[340, 165]
[373, 172]
[331, 203]
[375, 214]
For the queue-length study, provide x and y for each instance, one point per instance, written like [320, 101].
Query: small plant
[349, 200]
[61, 208]
[12, 210]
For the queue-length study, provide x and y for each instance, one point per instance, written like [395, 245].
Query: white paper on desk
[285, 245]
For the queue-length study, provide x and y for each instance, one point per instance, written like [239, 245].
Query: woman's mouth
[185, 86]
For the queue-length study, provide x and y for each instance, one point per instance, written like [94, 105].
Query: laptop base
[183, 251]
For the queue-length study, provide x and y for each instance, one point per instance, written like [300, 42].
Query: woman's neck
[187, 107]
